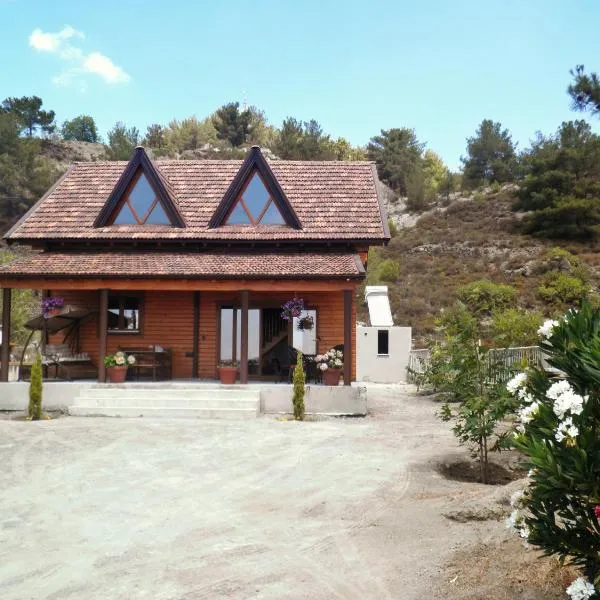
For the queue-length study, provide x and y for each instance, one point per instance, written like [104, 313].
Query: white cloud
[93, 63]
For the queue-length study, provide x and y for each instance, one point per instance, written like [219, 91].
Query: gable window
[383, 342]
[141, 205]
[124, 313]
[255, 205]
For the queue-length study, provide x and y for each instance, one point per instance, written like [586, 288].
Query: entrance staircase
[201, 401]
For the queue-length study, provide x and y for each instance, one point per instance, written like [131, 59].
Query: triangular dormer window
[254, 205]
[140, 205]
[141, 197]
[255, 197]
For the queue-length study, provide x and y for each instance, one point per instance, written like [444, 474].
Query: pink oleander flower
[597, 511]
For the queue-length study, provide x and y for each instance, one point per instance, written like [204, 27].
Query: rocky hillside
[471, 238]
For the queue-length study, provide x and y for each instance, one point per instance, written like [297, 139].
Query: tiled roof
[189, 265]
[333, 201]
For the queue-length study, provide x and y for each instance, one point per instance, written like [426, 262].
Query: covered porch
[202, 323]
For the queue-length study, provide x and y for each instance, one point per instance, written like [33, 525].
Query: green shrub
[478, 197]
[389, 270]
[484, 296]
[516, 327]
[463, 371]
[393, 228]
[35, 390]
[299, 389]
[562, 289]
[557, 431]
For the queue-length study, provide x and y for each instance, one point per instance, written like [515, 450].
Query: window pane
[226, 333]
[383, 345]
[125, 216]
[256, 196]
[141, 196]
[238, 216]
[158, 216]
[123, 313]
[272, 216]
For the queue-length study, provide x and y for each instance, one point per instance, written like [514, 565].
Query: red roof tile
[188, 265]
[333, 200]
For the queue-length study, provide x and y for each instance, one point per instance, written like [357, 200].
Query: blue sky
[355, 66]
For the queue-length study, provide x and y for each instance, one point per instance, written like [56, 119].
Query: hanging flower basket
[51, 306]
[306, 323]
[292, 308]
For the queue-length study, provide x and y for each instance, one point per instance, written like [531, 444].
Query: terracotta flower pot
[331, 376]
[117, 374]
[228, 375]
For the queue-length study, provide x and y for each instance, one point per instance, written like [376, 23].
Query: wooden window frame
[122, 295]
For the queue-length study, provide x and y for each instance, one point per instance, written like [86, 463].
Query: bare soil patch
[468, 471]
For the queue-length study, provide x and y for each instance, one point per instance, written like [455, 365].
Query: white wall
[390, 368]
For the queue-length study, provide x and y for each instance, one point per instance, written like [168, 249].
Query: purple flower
[50, 303]
[292, 308]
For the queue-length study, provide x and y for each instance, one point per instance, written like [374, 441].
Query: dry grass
[487, 572]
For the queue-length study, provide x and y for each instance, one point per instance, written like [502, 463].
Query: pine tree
[299, 389]
[232, 124]
[29, 114]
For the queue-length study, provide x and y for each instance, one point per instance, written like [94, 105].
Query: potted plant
[116, 366]
[306, 323]
[292, 308]
[330, 364]
[51, 306]
[228, 370]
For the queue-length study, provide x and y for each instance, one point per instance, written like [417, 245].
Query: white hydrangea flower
[323, 366]
[546, 328]
[517, 382]
[581, 589]
[120, 353]
[119, 359]
[566, 430]
[131, 359]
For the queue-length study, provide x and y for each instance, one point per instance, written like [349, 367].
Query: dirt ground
[183, 509]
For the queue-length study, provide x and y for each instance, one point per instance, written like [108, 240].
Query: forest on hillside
[547, 191]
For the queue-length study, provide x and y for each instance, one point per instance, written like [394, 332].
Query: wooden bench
[151, 362]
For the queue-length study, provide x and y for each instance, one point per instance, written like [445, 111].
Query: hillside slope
[471, 239]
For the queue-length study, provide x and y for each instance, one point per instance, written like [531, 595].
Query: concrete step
[175, 412]
[172, 393]
[160, 401]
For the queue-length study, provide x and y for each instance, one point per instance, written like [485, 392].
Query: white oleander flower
[525, 396]
[528, 413]
[524, 532]
[558, 388]
[532, 472]
[546, 328]
[516, 499]
[568, 402]
[566, 429]
[581, 589]
[517, 382]
[131, 359]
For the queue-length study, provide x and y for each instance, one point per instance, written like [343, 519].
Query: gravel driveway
[169, 509]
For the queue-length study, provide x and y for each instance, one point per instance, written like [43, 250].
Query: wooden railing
[418, 360]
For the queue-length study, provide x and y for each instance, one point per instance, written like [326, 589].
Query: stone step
[162, 412]
[161, 401]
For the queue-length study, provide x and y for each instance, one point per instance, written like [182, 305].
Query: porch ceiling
[171, 265]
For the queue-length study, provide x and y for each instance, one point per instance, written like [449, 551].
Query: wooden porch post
[348, 336]
[45, 294]
[244, 341]
[234, 335]
[5, 350]
[196, 334]
[103, 335]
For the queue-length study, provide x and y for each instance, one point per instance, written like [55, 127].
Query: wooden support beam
[234, 334]
[5, 349]
[103, 334]
[348, 298]
[196, 334]
[45, 294]
[244, 342]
